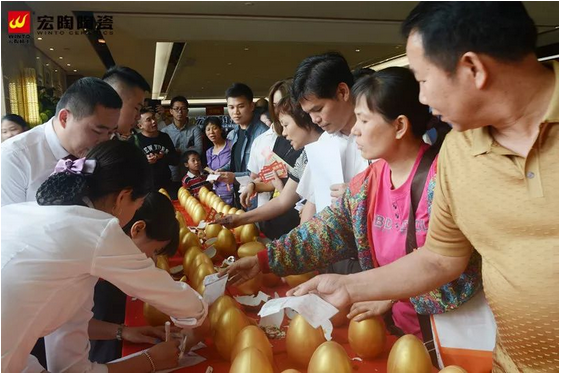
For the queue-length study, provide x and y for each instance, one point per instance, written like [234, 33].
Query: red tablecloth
[135, 317]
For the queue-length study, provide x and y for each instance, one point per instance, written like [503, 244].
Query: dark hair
[119, 165]
[320, 76]
[18, 120]
[126, 75]
[146, 109]
[181, 99]
[238, 90]
[502, 30]
[361, 72]
[158, 213]
[187, 154]
[393, 92]
[82, 97]
[216, 122]
[284, 87]
[302, 119]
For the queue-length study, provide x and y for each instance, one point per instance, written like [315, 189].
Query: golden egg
[237, 232]
[200, 288]
[249, 233]
[189, 203]
[270, 280]
[199, 274]
[164, 192]
[290, 371]
[302, 340]
[226, 330]
[253, 336]
[330, 357]
[240, 212]
[162, 263]
[252, 286]
[251, 360]
[367, 337]
[182, 232]
[199, 214]
[250, 249]
[212, 231]
[225, 209]
[153, 316]
[219, 206]
[183, 279]
[225, 243]
[189, 240]
[295, 280]
[189, 257]
[219, 307]
[340, 318]
[409, 355]
[198, 260]
[453, 369]
[180, 219]
[232, 211]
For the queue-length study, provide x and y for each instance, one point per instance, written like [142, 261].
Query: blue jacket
[255, 129]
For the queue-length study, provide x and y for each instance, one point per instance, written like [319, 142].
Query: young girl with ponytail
[55, 250]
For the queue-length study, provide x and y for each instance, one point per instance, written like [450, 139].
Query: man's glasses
[180, 109]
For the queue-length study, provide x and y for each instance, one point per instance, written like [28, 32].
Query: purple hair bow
[79, 166]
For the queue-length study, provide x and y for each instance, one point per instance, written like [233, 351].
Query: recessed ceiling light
[101, 41]
[246, 49]
[39, 38]
[47, 64]
[56, 71]
[217, 74]
[51, 49]
[60, 57]
[75, 70]
[357, 50]
[248, 4]
[67, 64]
[37, 57]
[229, 63]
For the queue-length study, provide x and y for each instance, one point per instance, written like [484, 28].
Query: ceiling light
[37, 57]
[75, 70]
[248, 4]
[161, 60]
[217, 74]
[357, 50]
[51, 49]
[39, 38]
[101, 41]
[229, 63]
[56, 71]
[67, 64]
[246, 49]
[47, 64]
[60, 57]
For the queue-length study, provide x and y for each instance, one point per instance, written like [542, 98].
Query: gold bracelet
[151, 361]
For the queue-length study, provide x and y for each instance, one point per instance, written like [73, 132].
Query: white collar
[53, 140]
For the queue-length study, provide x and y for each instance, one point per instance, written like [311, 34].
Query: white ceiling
[278, 35]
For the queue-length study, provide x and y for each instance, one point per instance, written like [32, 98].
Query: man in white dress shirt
[322, 85]
[86, 115]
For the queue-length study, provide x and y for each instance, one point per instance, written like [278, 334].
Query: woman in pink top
[370, 221]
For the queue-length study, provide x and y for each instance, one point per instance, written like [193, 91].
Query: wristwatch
[119, 335]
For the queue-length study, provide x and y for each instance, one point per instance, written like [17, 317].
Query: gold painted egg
[409, 355]
[253, 336]
[225, 243]
[250, 249]
[251, 360]
[330, 357]
[227, 329]
[367, 337]
[302, 340]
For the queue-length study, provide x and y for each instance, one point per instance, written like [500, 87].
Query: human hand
[330, 287]
[247, 195]
[338, 190]
[227, 177]
[277, 182]
[242, 270]
[145, 334]
[165, 355]
[152, 158]
[229, 221]
[368, 309]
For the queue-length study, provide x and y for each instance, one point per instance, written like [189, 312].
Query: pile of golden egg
[194, 208]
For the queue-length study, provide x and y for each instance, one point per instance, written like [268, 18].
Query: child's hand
[151, 158]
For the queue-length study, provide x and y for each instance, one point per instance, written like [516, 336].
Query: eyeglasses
[180, 109]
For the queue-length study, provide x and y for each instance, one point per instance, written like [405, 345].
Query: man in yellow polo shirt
[498, 177]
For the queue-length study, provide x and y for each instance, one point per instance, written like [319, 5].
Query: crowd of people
[447, 181]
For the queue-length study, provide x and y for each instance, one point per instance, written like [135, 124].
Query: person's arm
[308, 212]
[198, 140]
[120, 262]
[101, 330]
[172, 157]
[15, 177]
[327, 238]
[273, 208]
